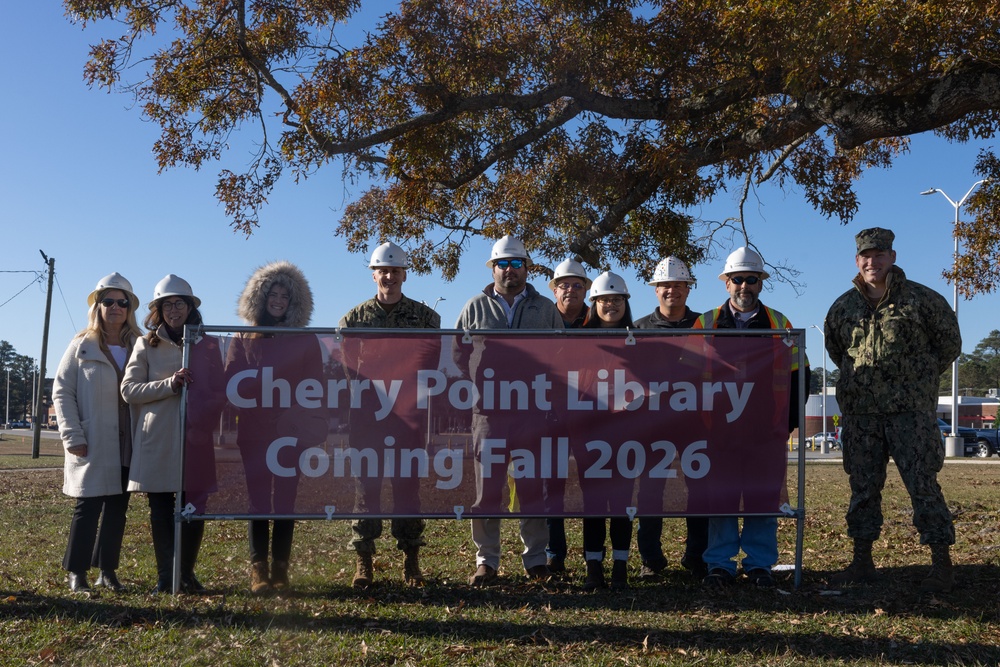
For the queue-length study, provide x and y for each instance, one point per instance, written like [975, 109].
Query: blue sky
[79, 182]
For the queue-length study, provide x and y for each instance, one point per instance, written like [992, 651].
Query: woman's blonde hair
[95, 323]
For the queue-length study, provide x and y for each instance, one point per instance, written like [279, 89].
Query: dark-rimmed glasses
[179, 304]
[108, 302]
[512, 263]
[749, 280]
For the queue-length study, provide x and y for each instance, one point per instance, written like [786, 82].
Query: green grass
[671, 622]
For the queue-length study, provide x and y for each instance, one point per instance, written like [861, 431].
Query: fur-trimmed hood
[254, 298]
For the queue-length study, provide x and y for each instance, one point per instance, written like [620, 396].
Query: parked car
[970, 439]
[816, 441]
[987, 442]
[19, 424]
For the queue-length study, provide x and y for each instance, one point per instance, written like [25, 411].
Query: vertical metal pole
[800, 510]
[954, 365]
[36, 436]
[825, 448]
[189, 336]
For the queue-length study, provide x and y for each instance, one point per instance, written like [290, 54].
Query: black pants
[594, 534]
[96, 531]
[280, 538]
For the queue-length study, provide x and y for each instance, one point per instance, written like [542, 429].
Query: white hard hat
[113, 281]
[389, 254]
[569, 267]
[172, 285]
[608, 283]
[743, 259]
[671, 270]
[508, 247]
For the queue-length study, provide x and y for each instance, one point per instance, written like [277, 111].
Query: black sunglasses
[749, 280]
[512, 263]
[122, 303]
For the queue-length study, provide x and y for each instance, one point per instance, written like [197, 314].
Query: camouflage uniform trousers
[913, 441]
[408, 533]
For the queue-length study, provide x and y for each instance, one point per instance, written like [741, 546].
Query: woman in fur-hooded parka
[252, 306]
[277, 294]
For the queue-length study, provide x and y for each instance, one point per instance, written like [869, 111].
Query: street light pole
[437, 301]
[954, 367]
[823, 388]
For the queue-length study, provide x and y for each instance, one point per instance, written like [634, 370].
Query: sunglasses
[749, 280]
[512, 263]
[122, 303]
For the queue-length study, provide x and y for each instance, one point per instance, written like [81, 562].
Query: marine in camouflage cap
[892, 338]
[874, 238]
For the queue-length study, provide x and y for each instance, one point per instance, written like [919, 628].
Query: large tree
[978, 372]
[569, 122]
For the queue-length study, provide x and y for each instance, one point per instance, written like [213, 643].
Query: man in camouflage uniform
[387, 310]
[892, 338]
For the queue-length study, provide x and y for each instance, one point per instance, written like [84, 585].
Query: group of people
[713, 544]
[117, 397]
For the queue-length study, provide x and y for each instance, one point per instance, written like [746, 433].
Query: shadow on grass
[812, 622]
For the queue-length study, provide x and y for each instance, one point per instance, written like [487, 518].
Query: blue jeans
[759, 541]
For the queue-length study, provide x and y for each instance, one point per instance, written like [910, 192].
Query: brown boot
[260, 582]
[411, 567]
[862, 568]
[279, 575]
[365, 573]
[941, 578]
[619, 575]
[595, 576]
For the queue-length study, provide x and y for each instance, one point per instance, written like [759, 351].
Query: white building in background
[973, 411]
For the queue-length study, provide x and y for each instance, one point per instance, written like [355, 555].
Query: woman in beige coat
[95, 430]
[152, 385]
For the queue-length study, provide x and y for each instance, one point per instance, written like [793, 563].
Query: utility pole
[36, 429]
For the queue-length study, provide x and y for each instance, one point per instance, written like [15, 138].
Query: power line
[38, 278]
[66, 305]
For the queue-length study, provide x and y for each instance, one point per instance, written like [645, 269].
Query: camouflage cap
[875, 238]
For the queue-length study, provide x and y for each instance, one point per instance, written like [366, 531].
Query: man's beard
[745, 301]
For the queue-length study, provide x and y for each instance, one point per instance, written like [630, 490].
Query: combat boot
[862, 568]
[279, 575]
[365, 572]
[411, 567]
[260, 579]
[941, 578]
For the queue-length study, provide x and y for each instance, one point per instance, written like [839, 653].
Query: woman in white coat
[152, 385]
[96, 432]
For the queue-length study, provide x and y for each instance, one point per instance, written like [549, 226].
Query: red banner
[377, 423]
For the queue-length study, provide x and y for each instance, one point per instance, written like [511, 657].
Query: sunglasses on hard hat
[512, 263]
